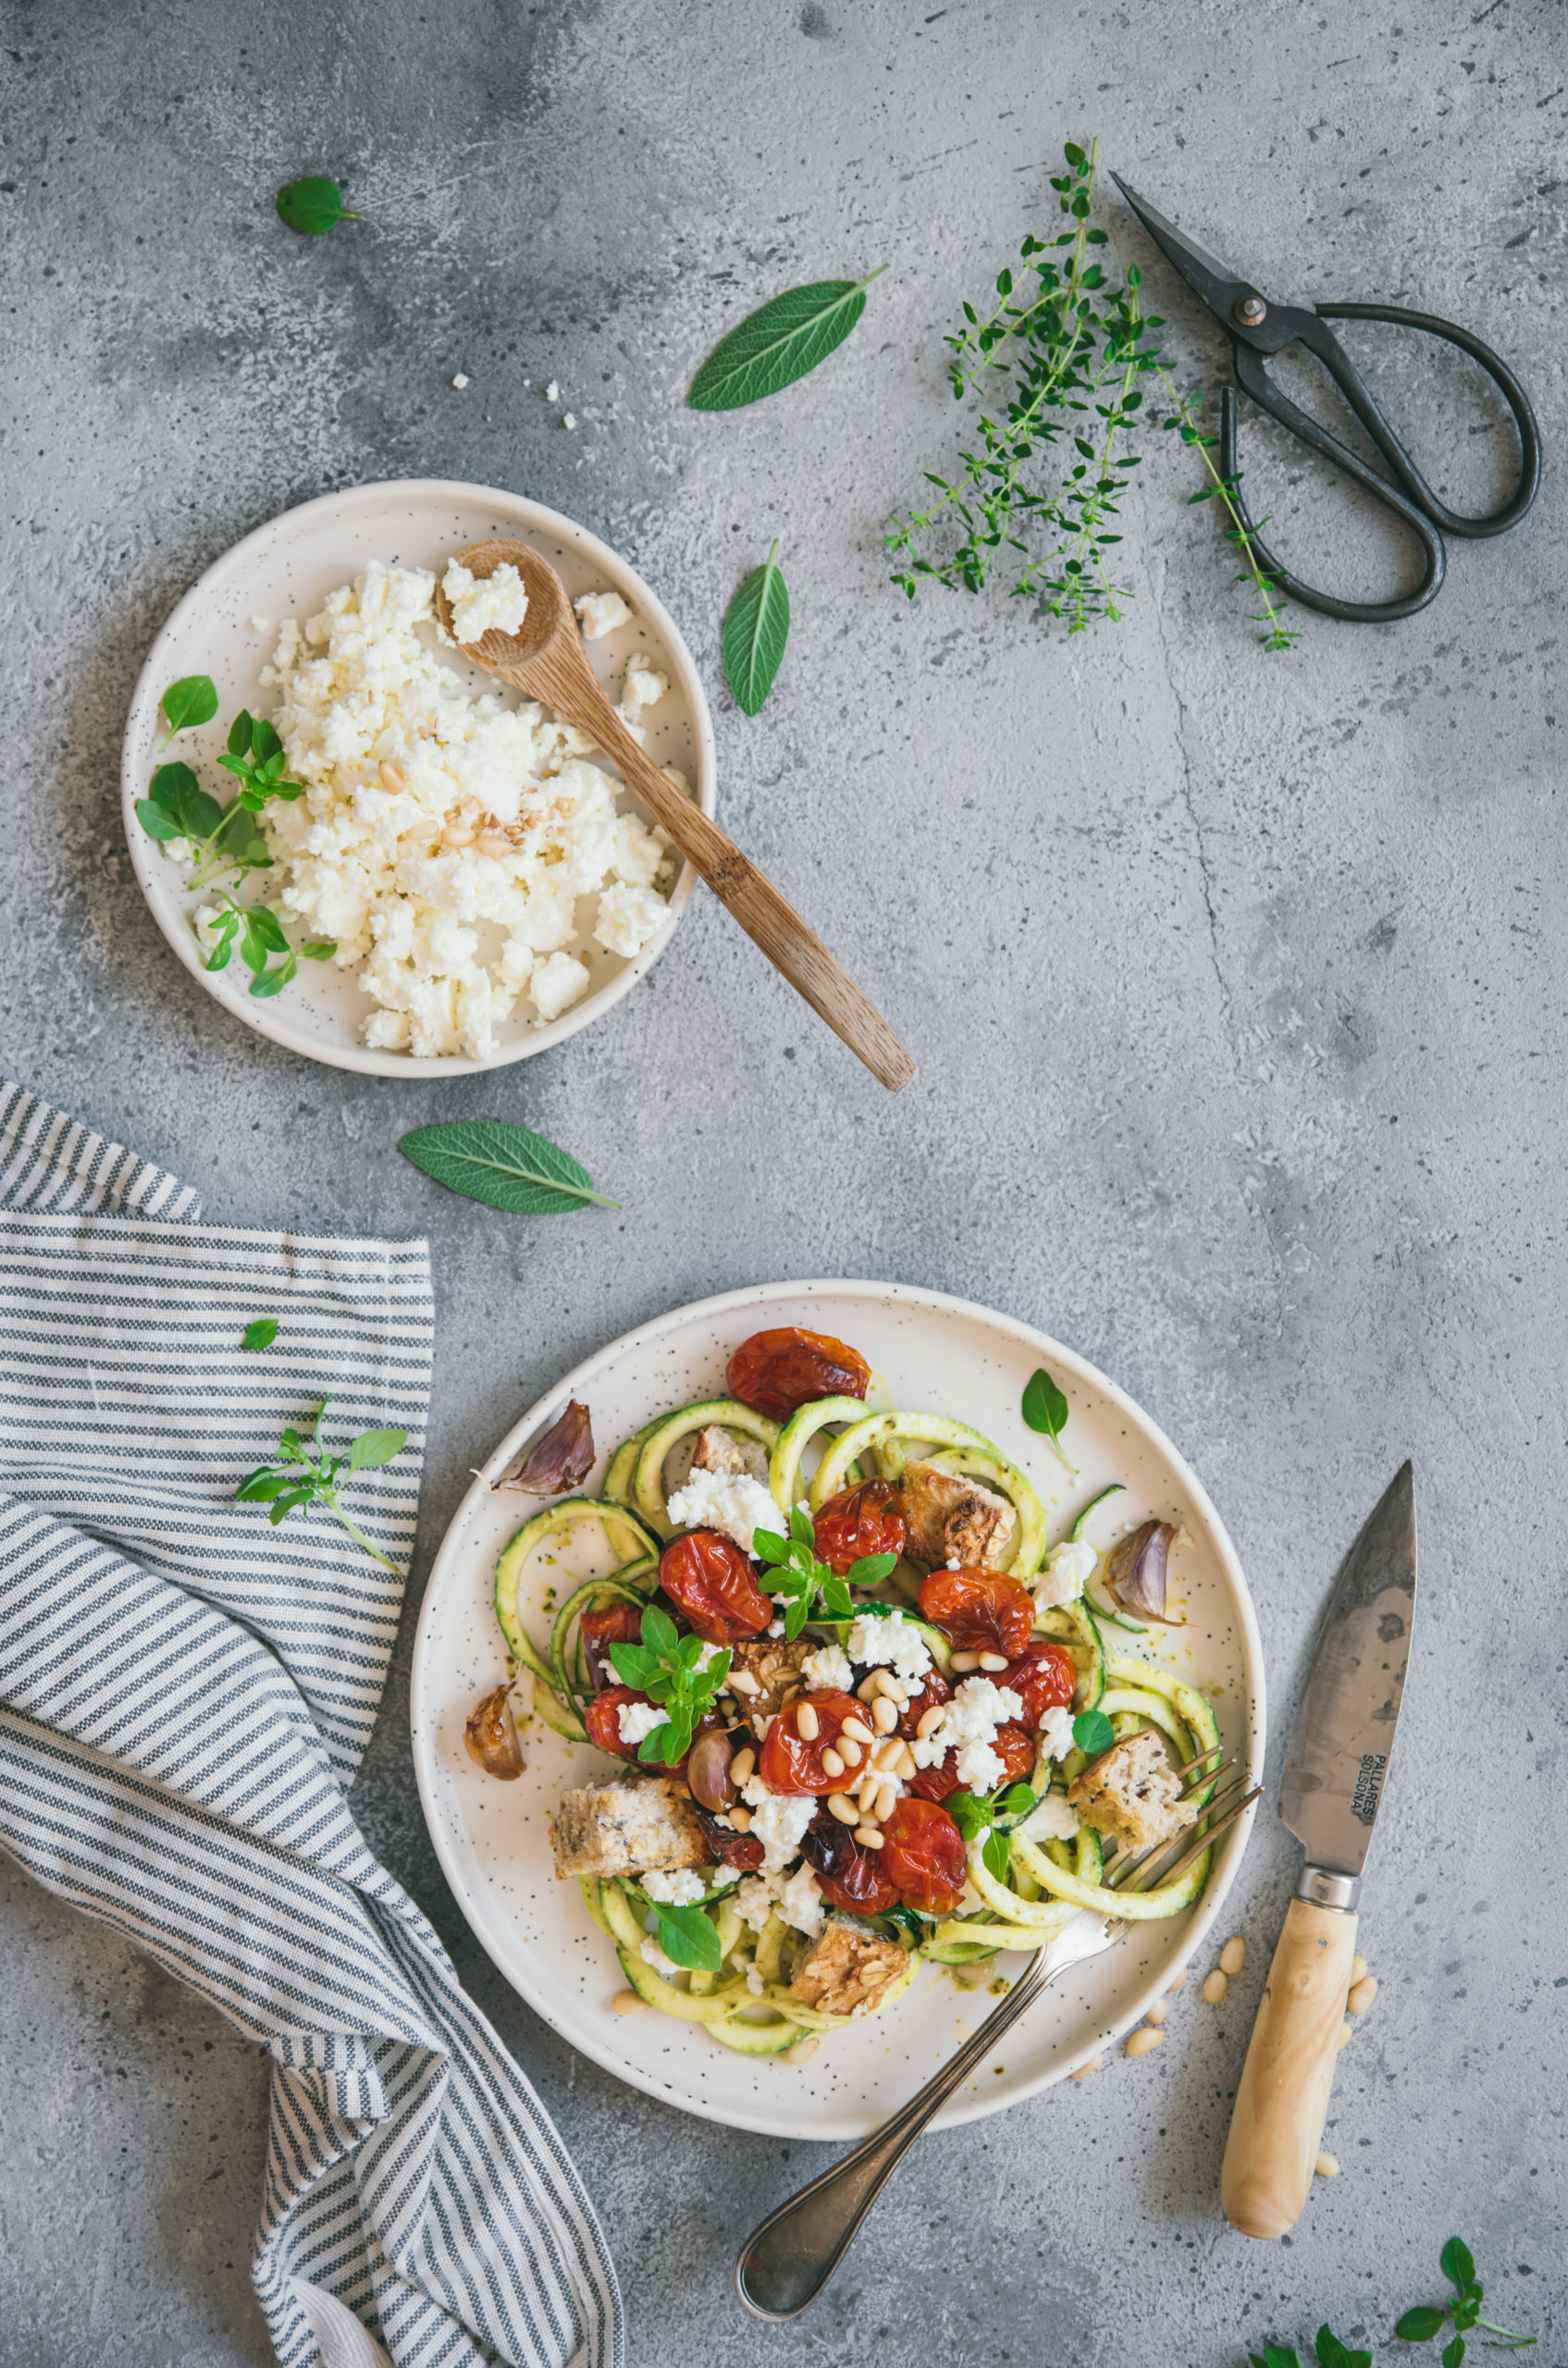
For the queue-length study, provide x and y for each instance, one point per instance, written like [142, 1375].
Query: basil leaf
[156, 821]
[239, 741]
[871, 1569]
[755, 630]
[768, 1547]
[272, 983]
[319, 949]
[801, 1528]
[189, 702]
[996, 1851]
[262, 1487]
[1020, 1801]
[1046, 1409]
[1458, 2263]
[1092, 1732]
[504, 1166]
[687, 1938]
[265, 743]
[176, 789]
[659, 1747]
[658, 1631]
[632, 1665]
[312, 205]
[779, 343]
[260, 1334]
[372, 1447]
[288, 1504]
[968, 1812]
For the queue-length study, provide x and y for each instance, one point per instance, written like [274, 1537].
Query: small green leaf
[260, 1334]
[1092, 1732]
[769, 1546]
[1458, 2263]
[262, 1487]
[504, 1166]
[191, 701]
[633, 1665]
[372, 1447]
[1420, 2324]
[996, 1851]
[1452, 2354]
[755, 630]
[802, 1529]
[312, 205]
[176, 790]
[1045, 1410]
[156, 821]
[779, 343]
[658, 1631]
[319, 949]
[687, 1937]
[870, 1569]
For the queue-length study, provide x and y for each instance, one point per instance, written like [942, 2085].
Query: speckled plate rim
[450, 1566]
[272, 1018]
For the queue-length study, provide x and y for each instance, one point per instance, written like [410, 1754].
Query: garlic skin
[562, 1458]
[1135, 1573]
[490, 1736]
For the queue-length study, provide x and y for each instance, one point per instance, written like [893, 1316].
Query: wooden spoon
[548, 662]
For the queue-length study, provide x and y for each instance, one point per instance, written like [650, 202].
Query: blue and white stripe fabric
[185, 1693]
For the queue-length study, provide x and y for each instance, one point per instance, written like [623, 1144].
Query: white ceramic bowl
[939, 1355]
[287, 569]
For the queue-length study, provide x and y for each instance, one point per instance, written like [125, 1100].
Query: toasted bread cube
[776, 1668]
[620, 1826]
[719, 1449]
[849, 1971]
[955, 1520]
[1132, 1793]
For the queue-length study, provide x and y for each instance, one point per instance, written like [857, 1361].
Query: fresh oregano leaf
[1045, 1410]
[779, 343]
[755, 630]
[373, 1447]
[1458, 2263]
[505, 1167]
[1092, 1732]
[687, 1937]
[191, 701]
[1420, 2324]
[312, 205]
[260, 1334]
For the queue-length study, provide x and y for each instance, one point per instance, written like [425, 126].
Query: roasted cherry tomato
[790, 1762]
[867, 1518]
[613, 1623]
[922, 1852]
[848, 1875]
[935, 1783]
[1043, 1678]
[931, 1690]
[1013, 1748]
[708, 1577]
[602, 1719]
[979, 1611]
[728, 1847]
[780, 1371]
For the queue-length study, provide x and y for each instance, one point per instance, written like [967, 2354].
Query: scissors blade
[1214, 281]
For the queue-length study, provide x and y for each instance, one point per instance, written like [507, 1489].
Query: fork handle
[1277, 2125]
[786, 2263]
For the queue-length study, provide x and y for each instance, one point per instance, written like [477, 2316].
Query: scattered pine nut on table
[1216, 1987]
[1327, 2166]
[1144, 2041]
[1363, 1993]
[1233, 1955]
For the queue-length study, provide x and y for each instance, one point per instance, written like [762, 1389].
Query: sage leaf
[1046, 1409]
[505, 1167]
[260, 1334]
[779, 343]
[687, 1938]
[312, 205]
[187, 703]
[755, 630]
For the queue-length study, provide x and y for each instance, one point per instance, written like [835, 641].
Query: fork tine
[1215, 1751]
[1124, 1866]
[1201, 1842]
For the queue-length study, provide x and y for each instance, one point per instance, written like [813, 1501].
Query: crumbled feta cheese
[644, 686]
[628, 918]
[776, 1627]
[459, 381]
[558, 983]
[797, 1897]
[654, 1955]
[261, 624]
[681, 1889]
[827, 1670]
[1053, 1820]
[493, 603]
[731, 1501]
[891, 1643]
[552, 393]
[637, 1719]
[569, 420]
[778, 1820]
[968, 1727]
[754, 1981]
[1056, 1730]
[1069, 1568]
[601, 612]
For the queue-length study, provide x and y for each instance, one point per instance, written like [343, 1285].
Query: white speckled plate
[287, 569]
[930, 1352]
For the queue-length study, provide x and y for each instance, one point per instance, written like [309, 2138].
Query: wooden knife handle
[1277, 2127]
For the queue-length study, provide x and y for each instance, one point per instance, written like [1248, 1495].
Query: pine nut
[494, 844]
[393, 777]
[857, 1730]
[887, 1801]
[1084, 2069]
[841, 1806]
[868, 1689]
[1358, 1968]
[743, 1765]
[904, 1763]
[867, 1795]
[884, 1717]
[831, 1764]
[457, 835]
[802, 2052]
[868, 1837]
[626, 2002]
[1156, 2013]
[992, 1662]
[1347, 2032]
[928, 1721]
[742, 1682]
[740, 1818]
[882, 1682]
[1327, 2166]
[850, 1752]
[421, 830]
[1177, 1983]
[1216, 1987]
[1144, 2042]
[1361, 1997]
[885, 1753]
[768, 1664]
[965, 1662]
[1233, 1955]
[806, 1724]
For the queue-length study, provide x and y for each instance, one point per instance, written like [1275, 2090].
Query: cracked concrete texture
[1232, 980]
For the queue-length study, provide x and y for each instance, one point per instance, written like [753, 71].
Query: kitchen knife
[1330, 1797]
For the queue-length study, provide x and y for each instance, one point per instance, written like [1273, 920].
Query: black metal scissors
[1256, 327]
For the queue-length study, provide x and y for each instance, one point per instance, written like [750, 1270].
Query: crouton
[1132, 1793]
[622, 1826]
[849, 1971]
[722, 1451]
[776, 1668]
[956, 1521]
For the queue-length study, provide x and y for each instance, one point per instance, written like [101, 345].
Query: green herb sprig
[1464, 2312]
[810, 1588]
[681, 1675]
[296, 1478]
[218, 839]
[260, 1334]
[998, 1815]
[259, 934]
[312, 205]
[1329, 2352]
[505, 1167]
[687, 1937]
[1045, 1410]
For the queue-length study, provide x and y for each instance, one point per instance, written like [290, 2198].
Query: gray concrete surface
[1237, 984]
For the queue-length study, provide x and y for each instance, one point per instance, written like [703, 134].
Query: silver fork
[787, 2261]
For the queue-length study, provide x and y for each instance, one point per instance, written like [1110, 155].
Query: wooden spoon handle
[1277, 2125]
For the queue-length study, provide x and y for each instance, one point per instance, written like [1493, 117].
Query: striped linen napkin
[185, 1693]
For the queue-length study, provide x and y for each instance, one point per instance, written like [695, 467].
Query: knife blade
[1336, 1767]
